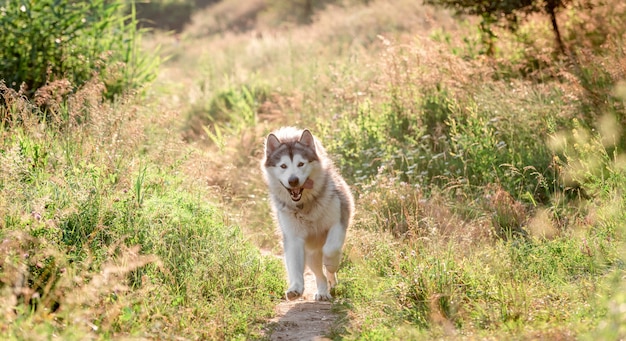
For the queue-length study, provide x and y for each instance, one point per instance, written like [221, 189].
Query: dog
[312, 205]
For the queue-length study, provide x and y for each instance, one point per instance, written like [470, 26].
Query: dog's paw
[323, 296]
[292, 295]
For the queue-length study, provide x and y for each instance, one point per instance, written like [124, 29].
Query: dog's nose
[293, 181]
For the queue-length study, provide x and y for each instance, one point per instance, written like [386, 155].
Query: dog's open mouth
[296, 193]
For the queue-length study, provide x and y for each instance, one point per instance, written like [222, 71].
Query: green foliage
[503, 289]
[447, 142]
[125, 252]
[363, 144]
[613, 325]
[439, 284]
[499, 161]
[109, 227]
[228, 112]
[508, 12]
[593, 161]
[44, 41]
[211, 268]
[237, 105]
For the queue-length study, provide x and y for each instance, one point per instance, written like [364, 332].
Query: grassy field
[490, 190]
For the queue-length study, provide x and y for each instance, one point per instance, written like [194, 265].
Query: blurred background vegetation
[483, 140]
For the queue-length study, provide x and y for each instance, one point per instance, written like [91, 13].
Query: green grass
[463, 199]
[508, 289]
[97, 250]
[52, 47]
[489, 191]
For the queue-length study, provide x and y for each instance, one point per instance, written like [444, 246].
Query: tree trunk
[487, 35]
[551, 9]
[308, 11]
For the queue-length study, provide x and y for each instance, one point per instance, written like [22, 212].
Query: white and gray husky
[312, 204]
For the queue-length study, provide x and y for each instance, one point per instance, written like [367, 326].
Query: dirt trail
[305, 318]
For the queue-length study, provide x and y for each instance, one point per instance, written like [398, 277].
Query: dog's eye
[283, 166]
[300, 164]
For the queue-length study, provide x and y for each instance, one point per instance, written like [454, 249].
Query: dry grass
[366, 58]
[92, 187]
[506, 253]
[226, 17]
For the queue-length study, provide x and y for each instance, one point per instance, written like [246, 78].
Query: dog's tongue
[308, 184]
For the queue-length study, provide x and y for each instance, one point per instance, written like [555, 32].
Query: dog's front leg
[294, 261]
[332, 252]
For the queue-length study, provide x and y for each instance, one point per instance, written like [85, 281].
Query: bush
[444, 142]
[47, 40]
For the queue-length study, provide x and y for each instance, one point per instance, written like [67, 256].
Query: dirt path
[303, 319]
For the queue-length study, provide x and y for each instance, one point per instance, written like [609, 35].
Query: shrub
[48, 40]
[443, 142]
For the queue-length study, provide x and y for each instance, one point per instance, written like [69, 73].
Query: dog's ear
[271, 144]
[307, 139]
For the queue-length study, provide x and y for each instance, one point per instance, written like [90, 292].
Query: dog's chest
[310, 220]
[306, 218]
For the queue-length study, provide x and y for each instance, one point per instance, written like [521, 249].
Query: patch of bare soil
[304, 318]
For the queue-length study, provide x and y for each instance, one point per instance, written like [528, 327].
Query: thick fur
[312, 204]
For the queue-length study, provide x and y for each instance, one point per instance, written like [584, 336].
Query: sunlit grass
[489, 192]
[466, 223]
[103, 236]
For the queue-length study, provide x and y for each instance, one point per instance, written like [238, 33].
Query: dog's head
[291, 159]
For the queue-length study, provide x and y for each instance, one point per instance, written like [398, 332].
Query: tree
[507, 12]
[550, 7]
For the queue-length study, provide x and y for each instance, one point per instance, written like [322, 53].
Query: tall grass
[489, 191]
[471, 222]
[101, 242]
